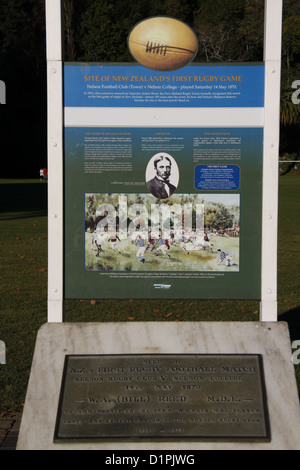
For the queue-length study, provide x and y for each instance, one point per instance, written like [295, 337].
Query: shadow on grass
[23, 197]
[292, 317]
[22, 215]
[22, 200]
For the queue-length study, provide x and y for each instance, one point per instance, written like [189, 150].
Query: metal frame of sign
[272, 61]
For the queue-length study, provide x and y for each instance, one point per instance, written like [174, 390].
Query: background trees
[23, 69]
[97, 30]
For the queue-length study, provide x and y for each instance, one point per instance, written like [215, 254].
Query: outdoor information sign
[162, 184]
[125, 236]
[214, 128]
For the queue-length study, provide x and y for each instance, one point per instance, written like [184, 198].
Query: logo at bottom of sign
[162, 286]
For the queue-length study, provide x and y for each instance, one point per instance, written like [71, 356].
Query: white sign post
[272, 58]
[55, 159]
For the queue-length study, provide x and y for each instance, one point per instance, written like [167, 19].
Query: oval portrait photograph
[162, 175]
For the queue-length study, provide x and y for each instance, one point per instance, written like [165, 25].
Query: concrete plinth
[55, 341]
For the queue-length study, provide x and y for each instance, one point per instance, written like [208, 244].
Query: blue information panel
[217, 177]
[196, 85]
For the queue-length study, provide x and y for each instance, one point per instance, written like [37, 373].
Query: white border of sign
[55, 159]
[272, 58]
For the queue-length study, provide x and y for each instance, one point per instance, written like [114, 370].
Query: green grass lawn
[23, 301]
[19, 181]
[23, 293]
[289, 244]
[289, 257]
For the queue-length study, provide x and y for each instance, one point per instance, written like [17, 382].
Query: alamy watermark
[2, 92]
[2, 353]
[186, 218]
[296, 353]
[296, 94]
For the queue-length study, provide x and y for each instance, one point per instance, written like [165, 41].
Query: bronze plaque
[163, 396]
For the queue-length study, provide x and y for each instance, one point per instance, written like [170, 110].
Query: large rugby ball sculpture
[162, 43]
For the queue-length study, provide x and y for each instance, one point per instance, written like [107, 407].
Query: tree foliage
[23, 69]
[227, 31]
[222, 219]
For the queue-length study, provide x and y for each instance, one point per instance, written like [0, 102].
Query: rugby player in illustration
[182, 241]
[224, 256]
[151, 241]
[114, 239]
[140, 242]
[163, 245]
